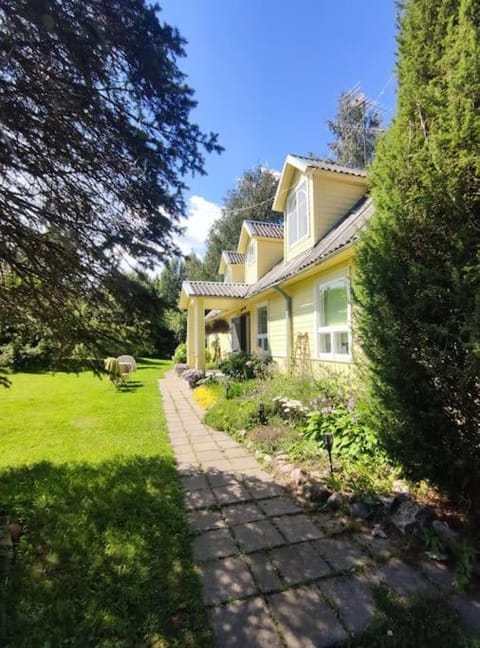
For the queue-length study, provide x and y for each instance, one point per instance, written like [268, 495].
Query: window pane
[341, 342]
[325, 342]
[302, 215]
[262, 321]
[335, 306]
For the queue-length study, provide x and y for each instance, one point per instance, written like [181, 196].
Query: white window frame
[293, 216]
[261, 337]
[321, 329]
[250, 257]
[227, 277]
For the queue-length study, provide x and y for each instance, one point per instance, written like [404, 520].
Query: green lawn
[105, 556]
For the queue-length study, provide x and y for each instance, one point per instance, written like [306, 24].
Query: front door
[241, 333]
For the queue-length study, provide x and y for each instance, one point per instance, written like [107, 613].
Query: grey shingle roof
[267, 230]
[327, 166]
[214, 289]
[340, 236]
[233, 257]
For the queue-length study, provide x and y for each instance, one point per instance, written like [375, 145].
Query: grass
[421, 621]
[105, 558]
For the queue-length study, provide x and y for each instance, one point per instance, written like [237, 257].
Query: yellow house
[286, 289]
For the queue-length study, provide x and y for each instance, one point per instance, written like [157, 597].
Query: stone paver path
[271, 577]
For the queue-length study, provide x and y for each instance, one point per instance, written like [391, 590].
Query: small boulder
[443, 530]
[297, 476]
[410, 518]
[335, 501]
[318, 492]
[361, 510]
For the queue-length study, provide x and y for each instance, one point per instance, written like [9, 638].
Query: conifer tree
[250, 199]
[356, 128]
[418, 265]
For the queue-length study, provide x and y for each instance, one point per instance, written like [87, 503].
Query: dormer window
[251, 253]
[227, 277]
[297, 213]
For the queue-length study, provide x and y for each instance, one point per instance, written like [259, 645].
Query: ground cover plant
[104, 557]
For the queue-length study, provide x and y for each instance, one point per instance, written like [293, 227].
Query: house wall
[269, 253]
[238, 272]
[331, 198]
[305, 318]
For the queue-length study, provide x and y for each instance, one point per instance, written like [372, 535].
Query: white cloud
[201, 214]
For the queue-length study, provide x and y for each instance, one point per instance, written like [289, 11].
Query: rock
[360, 510]
[378, 532]
[410, 517]
[318, 492]
[399, 486]
[297, 476]
[444, 531]
[267, 459]
[281, 456]
[335, 501]
[285, 469]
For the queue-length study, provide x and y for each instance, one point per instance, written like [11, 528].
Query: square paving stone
[199, 499]
[195, 482]
[232, 493]
[187, 468]
[214, 544]
[264, 572]
[218, 477]
[205, 446]
[263, 489]
[353, 599]
[299, 563]
[401, 578]
[210, 455]
[438, 573]
[278, 506]
[238, 453]
[257, 535]
[243, 465]
[305, 619]
[341, 553]
[242, 513]
[205, 520]
[244, 624]
[297, 528]
[226, 579]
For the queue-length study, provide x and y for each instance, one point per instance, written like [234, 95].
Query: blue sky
[267, 75]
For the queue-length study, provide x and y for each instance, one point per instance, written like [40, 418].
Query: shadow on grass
[104, 559]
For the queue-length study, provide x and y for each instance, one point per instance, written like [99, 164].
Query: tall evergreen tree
[95, 143]
[419, 262]
[356, 128]
[250, 199]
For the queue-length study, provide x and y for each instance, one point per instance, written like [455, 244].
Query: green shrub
[353, 437]
[180, 354]
[244, 366]
[232, 415]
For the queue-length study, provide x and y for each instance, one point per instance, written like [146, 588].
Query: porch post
[190, 334]
[199, 325]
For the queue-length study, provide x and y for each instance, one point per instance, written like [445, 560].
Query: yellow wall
[269, 253]
[332, 198]
[238, 272]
